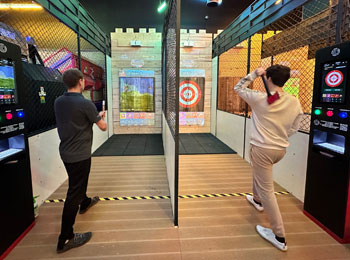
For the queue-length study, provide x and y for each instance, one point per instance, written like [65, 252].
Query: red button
[329, 113]
[9, 116]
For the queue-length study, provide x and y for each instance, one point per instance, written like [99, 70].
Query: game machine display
[17, 212]
[327, 195]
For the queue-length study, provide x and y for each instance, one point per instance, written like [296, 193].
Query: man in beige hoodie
[272, 125]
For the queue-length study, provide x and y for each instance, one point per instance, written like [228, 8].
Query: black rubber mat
[202, 144]
[152, 144]
[131, 145]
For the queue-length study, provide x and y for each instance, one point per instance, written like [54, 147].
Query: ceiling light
[278, 2]
[20, 6]
[162, 7]
[213, 3]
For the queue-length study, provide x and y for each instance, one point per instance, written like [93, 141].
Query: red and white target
[190, 93]
[334, 78]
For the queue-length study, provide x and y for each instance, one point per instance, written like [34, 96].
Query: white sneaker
[258, 207]
[270, 236]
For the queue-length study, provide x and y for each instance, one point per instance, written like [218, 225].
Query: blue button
[343, 114]
[20, 114]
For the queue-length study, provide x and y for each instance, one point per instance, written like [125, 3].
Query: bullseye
[334, 78]
[190, 94]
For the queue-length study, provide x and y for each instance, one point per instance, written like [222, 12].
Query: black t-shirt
[75, 117]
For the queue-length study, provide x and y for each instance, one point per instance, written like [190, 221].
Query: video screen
[334, 80]
[136, 94]
[7, 82]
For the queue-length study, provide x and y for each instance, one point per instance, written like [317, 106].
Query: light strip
[278, 2]
[20, 6]
[161, 8]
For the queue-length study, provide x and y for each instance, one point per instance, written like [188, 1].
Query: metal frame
[340, 11]
[175, 133]
[246, 104]
[178, 25]
[217, 95]
[257, 16]
[73, 14]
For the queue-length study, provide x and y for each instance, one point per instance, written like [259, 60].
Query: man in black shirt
[75, 117]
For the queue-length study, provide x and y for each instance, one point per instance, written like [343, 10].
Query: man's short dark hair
[71, 77]
[279, 74]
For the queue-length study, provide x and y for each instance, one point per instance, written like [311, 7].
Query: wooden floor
[224, 228]
[210, 228]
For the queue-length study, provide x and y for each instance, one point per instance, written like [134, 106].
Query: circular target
[190, 93]
[334, 78]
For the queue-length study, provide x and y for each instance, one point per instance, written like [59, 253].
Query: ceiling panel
[110, 14]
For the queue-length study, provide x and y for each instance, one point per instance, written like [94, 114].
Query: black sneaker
[94, 201]
[79, 239]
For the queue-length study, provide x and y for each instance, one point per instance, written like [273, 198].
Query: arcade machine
[327, 194]
[17, 212]
[42, 84]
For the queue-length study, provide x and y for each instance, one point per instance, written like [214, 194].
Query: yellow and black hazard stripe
[218, 195]
[240, 194]
[54, 201]
[121, 198]
[138, 198]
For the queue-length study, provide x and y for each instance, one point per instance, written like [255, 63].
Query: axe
[270, 98]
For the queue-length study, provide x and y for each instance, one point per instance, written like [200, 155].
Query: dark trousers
[78, 176]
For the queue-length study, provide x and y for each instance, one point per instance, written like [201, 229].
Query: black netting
[48, 47]
[170, 68]
[292, 41]
[93, 66]
[232, 67]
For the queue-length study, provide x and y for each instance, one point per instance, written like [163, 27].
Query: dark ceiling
[111, 14]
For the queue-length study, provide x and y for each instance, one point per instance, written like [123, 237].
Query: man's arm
[248, 95]
[94, 116]
[296, 125]
[102, 123]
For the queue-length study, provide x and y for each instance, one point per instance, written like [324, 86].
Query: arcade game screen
[136, 94]
[334, 80]
[7, 82]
